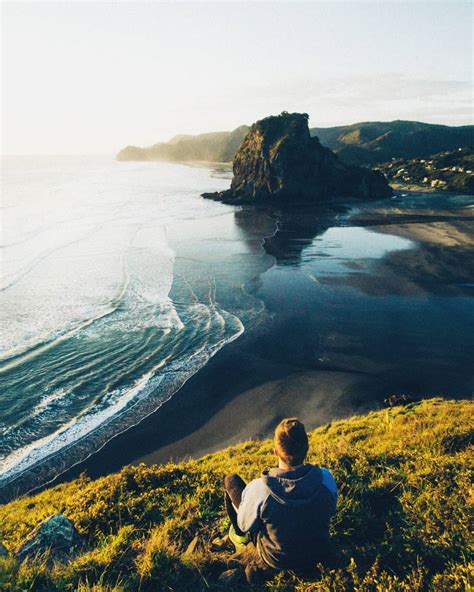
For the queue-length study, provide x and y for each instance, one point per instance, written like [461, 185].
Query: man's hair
[291, 441]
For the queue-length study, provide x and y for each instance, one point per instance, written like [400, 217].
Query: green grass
[402, 521]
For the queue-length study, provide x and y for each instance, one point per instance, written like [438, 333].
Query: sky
[92, 77]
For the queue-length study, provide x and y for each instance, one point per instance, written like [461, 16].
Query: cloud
[345, 100]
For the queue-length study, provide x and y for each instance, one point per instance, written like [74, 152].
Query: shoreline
[270, 372]
[414, 188]
[205, 163]
[220, 406]
[46, 470]
[243, 391]
[216, 163]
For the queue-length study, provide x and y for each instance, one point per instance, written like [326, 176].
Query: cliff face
[279, 161]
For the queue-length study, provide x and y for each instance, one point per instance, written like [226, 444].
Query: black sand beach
[333, 345]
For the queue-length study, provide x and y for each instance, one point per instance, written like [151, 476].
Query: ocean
[92, 340]
[119, 283]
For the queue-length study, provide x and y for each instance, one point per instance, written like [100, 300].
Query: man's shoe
[257, 575]
[239, 541]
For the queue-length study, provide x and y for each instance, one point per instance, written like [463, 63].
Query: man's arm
[253, 498]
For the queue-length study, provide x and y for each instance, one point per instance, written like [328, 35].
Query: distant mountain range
[211, 147]
[364, 143]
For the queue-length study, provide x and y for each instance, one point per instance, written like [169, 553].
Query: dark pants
[233, 486]
[256, 572]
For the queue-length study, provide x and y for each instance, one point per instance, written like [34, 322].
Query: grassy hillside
[402, 521]
[376, 141]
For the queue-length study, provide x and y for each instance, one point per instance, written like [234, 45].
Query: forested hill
[373, 142]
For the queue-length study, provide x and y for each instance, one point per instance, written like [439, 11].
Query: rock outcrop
[279, 161]
[395, 400]
[55, 535]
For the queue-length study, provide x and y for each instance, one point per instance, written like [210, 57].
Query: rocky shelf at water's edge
[279, 161]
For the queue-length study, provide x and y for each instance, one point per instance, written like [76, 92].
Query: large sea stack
[279, 161]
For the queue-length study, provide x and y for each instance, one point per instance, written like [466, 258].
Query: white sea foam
[86, 280]
[67, 238]
[123, 408]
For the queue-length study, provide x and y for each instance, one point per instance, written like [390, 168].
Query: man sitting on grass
[285, 513]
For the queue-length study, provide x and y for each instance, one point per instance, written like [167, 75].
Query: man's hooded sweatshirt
[289, 512]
